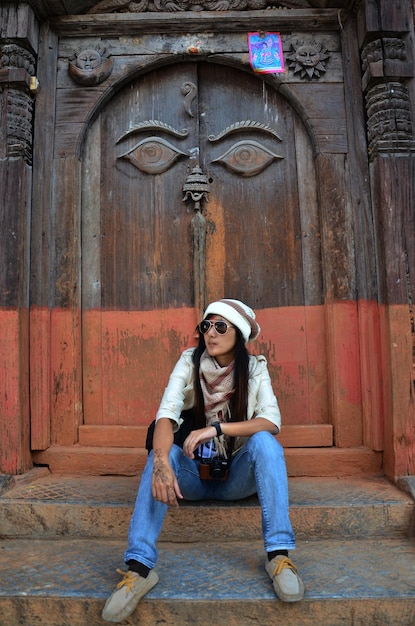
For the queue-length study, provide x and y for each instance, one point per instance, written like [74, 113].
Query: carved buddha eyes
[153, 155]
[247, 158]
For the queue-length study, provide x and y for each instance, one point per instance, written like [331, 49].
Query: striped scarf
[217, 387]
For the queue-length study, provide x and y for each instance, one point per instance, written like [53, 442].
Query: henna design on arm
[160, 469]
[162, 476]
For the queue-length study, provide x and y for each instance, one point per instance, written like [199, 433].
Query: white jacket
[179, 393]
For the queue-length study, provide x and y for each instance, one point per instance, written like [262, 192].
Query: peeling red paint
[139, 349]
[131, 361]
[14, 391]
[329, 364]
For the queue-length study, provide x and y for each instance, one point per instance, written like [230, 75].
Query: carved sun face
[88, 59]
[308, 59]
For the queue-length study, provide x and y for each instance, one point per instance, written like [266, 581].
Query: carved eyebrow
[244, 126]
[154, 125]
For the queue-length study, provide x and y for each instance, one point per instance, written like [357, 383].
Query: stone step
[44, 505]
[349, 582]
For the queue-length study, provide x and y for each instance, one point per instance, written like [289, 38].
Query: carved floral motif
[131, 6]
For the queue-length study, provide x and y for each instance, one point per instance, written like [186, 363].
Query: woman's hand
[196, 438]
[165, 487]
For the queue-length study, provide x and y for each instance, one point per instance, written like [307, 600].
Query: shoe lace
[284, 563]
[128, 579]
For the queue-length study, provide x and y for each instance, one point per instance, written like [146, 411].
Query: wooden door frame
[56, 332]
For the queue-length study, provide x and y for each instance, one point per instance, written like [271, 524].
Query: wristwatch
[218, 427]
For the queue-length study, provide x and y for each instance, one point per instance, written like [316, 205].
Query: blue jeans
[258, 467]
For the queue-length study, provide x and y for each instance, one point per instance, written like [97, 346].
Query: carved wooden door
[262, 238]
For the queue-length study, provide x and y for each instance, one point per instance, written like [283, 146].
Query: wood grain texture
[314, 436]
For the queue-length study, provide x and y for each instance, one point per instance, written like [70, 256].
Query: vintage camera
[213, 469]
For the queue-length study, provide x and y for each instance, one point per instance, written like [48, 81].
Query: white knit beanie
[239, 314]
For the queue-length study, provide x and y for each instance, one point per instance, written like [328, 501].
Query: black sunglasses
[220, 327]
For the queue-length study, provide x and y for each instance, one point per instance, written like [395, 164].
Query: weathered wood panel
[65, 224]
[394, 217]
[293, 339]
[195, 22]
[40, 384]
[15, 181]
[316, 435]
[337, 229]
[128, 357]
[42, 243]
[66, 376]
[345, 396]
[233, 192]
[373, 400]
[130, 56]
[120, 389]
[309, 216]
[15, 455]
[18, 31]
[66, 365]
[128, 45]
[325, 109]
[341, 306]
[87, 460]
[261, 257]
[382, 15]
[146, 256]
[398, 376]
[18, 22]
[364, 245]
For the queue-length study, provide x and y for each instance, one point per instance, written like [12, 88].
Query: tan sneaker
[127, 595]
[285, 579]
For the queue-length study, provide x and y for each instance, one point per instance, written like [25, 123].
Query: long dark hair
[239, 402]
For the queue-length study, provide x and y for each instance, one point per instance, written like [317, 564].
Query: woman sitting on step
[230, 452]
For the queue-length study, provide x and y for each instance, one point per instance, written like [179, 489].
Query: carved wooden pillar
[386, 41]
[17, 79]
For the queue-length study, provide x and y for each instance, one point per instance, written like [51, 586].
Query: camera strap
[229, 450]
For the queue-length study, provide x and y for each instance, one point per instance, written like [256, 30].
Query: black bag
[180, 436]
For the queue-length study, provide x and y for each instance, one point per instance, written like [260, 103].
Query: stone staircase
[63, 537]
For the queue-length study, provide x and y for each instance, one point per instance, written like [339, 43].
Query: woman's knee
[263, 437]
[264, 442]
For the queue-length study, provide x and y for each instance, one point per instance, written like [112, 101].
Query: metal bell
[196, 187]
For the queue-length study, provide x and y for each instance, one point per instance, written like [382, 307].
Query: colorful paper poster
[265, 52]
